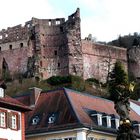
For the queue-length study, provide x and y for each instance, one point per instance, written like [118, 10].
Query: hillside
[73, 82]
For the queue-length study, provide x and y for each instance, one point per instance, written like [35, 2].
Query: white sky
[104, 19]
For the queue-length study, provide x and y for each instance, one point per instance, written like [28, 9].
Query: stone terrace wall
[98, 58]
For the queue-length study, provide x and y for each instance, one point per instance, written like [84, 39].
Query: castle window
[0, 49]
[21, 45]
[57, 22]
[10, 47]
[40, 63]
[6, 35]
[58, 65]
[55, 52]
[61, 29]
[0, 36]
[50, 23]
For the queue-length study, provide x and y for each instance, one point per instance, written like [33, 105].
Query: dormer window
[117, 122]
[52, 119]
[108, 120]
[99, 119]
[137, 127]
[35, 120]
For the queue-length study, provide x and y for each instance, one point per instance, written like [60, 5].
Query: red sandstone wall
[16, 59]
[52, 51]
[97, 58]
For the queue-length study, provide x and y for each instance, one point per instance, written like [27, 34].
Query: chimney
[35, 93]
[2, 88]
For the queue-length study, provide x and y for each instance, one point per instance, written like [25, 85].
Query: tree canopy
[118, 80]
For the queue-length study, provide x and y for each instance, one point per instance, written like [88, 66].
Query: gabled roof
[70, 110]
[79, 101]
[136, 102]
[11, 103]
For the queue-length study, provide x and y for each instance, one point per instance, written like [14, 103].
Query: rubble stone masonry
[46, 47]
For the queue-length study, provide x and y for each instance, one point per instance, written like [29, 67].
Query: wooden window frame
[17, 121]
[4, 111]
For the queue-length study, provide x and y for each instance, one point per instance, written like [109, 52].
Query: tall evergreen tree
[118, 81]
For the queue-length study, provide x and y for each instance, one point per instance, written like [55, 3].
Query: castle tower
[74, 44]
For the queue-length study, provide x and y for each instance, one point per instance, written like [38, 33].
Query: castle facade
[46, 47]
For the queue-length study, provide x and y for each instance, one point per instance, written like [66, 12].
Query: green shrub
[77, 83]
[57, 80]
[93, 80]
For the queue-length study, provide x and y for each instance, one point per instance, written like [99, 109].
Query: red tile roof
[80, 101]
[51, 102]
[8, 102]
[69, 107]
[136, 102]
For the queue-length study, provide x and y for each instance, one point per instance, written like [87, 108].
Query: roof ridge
[70, 103]
[89, 95]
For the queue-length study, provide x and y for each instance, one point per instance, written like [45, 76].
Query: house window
[99, 119]
[117, 122]
[35, 120]
[91, 138]
[10, 47]
[14, 121]
[55, 139]
[2, 119]
[70, 138]
[52, 119]
[108, 120]
[14, 124]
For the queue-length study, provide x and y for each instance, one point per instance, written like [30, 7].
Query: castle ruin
[46, 47]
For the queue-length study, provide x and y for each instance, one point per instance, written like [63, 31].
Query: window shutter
[18, 122]
[9, 118]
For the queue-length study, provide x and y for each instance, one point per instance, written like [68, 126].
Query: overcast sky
[104, 19]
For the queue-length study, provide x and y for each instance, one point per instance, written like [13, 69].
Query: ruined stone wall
[51, 48]
[134, 61]
[13, 48]
[46, 47]
[98, 59]
[74, 44]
